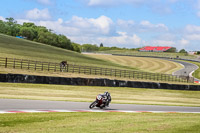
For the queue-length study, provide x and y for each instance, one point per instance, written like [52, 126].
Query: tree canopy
[37, 33]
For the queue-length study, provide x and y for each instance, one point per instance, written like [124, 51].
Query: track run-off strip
[121, 111]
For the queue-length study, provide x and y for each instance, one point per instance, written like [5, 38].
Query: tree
[12, 27]
[37, 33]
[76, 47]
[182, 51]
[2, 27]
[172, 50]
[64, 42]
[101, 45]
[89, 47]
[27, 32]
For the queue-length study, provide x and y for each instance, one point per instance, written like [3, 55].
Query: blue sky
[121, 23]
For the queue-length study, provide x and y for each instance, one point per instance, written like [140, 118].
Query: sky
[120, 23]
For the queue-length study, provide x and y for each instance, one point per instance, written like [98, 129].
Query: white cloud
[123, 39]
[183, 42]
[100, 26]
[37, 14]
[193, 37]
[2, 18]
[163, 43]
[192, 29]
[147, 25]
[143, 26]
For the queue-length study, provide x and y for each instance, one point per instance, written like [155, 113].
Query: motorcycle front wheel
[93, 104]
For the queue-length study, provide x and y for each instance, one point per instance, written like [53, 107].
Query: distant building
[154, 49]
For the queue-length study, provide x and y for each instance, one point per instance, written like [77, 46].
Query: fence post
[55, 67]
[79, 69]
[21, 63]
[6, 62]
[42, 66]
[67, 67]
[48, 66]
[35, 65]
[28, 64]
[84, 69]
[73, 69]
[14, 63]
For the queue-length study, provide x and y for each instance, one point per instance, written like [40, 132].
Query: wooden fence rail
[72, 68]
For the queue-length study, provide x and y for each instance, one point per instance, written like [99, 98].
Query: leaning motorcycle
[99, 102]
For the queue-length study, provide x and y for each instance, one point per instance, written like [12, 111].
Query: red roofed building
[154, 49]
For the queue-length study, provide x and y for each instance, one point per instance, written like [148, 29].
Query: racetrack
[187, 70]
[19, 104]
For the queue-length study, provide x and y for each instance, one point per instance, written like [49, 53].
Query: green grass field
[157, 54]
[88, 94]
[141, 63]
[99, 123]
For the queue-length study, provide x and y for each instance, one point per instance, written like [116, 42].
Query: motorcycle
[99, 102]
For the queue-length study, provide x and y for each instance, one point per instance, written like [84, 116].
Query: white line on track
[122, 111]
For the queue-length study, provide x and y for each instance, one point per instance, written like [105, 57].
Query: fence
[50, 66]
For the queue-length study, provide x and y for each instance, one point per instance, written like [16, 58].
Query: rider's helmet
[106, 93]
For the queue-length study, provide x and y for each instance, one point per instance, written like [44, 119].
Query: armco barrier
[19, 78]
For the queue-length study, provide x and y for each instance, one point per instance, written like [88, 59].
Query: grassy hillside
[13, 47]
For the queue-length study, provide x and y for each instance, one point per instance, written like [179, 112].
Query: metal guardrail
[51, 66]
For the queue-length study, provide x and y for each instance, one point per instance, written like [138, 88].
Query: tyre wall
[20, 78]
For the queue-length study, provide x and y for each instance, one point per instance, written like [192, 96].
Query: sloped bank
[20, 78]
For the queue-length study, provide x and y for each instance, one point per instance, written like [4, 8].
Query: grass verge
[88, 94]
[142, 63]
[99, 122]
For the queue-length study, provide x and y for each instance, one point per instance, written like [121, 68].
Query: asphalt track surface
[187, 70]
[19, 104]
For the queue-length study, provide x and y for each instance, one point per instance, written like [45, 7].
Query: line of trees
[95, 47]
[37, 33]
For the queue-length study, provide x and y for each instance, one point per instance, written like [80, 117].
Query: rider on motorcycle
[106, 98]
